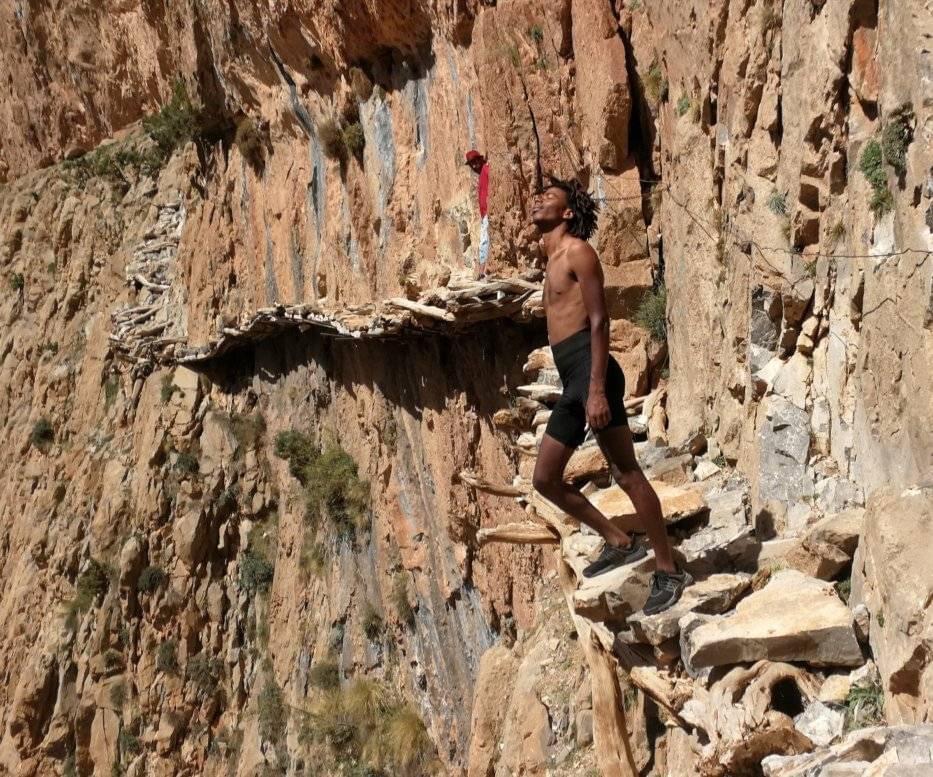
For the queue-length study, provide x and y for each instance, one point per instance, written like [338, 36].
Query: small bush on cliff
[256, 572]
[129, 742]
[353, 138]
[405, 743]
[177, 122]
[166, 388]
[865, 706]
[777, 203]
[652, 314]
[92, 583]
[896, 137]
[371, 621]
[871, 164]
[331, 137]
[204, 672]
[403, 608]
[150, 579]
[683, 104]
[42, 434]
[273, 716]
[334, 488]
[247, 428]
[167, 657]
[298, 449]
[17, 281]
[655, 83]
[325, 675]
[186, 462]
[249, 140]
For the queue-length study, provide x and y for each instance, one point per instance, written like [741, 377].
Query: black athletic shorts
[567, 423]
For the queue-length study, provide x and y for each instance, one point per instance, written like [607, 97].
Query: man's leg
[548, 481]
[617, 447]
[483, 247]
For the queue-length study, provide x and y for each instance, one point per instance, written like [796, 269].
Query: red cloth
[483, 190]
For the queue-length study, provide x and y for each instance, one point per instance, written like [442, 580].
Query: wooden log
[614, 755]
[480, 484]
[422, 310]
[524, 533]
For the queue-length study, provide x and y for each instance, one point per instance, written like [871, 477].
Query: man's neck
[553, 239]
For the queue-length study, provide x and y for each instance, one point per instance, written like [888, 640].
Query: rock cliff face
[186, 591]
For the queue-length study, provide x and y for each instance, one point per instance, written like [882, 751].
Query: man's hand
[597, 410]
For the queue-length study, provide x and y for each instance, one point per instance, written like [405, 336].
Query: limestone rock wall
[724, 142]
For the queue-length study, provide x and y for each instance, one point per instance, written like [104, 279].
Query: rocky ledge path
[765, 661]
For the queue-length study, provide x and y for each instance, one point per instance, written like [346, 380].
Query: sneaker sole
[688, 580]
[636, 556]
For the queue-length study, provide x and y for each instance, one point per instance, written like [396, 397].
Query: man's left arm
[589, 274]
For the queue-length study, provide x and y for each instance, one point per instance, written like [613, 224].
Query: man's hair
[584, 207]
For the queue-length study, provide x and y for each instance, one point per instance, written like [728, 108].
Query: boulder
[612, 596]
[190, 535]
[716, 594]
[494, 683]
[772, 624]
[676, 503]
[705, 470]
[896, 584]
[784, 442]
[828, 546]
[820, 724]
[871, 752]
[674, 471]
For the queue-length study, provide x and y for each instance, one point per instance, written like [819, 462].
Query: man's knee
[546, 485]
[629, 477]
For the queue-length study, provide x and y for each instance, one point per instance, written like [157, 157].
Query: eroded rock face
[897, 586]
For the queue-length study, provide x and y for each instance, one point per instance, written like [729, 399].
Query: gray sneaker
[611, 557]
[666, 589]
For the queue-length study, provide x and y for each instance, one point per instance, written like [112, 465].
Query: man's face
[549, 208]
[476, 165]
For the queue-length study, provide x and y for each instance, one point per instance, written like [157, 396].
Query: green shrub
[331, 137]
[353, 138]
[167, 657]
[371, 621]
[256, 572]
[864, 706]
[70, 767]
[896, 137]
[881, 201]
[844, 589]
[273, 716]
[298, 449]
[325, 675]
[651, 314]
[167, 388]
[405, 740]
[177, 122]
[118, 694]
[334, 488]
[150, 579]
[403, 608]
[42, 434]
[204, 672]
[247, 428]
[683, 104]
[777, 203]
[536, 33]
[654, 82]
[186, 462]
[92, 583]
[17, 281]
[871, 163]
[248, 139]
[129, 742]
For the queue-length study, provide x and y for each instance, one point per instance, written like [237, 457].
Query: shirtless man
[593, 388]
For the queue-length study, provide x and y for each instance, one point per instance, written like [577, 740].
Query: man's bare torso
[563, 298]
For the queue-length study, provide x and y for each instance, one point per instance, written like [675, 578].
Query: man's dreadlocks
[584, 207]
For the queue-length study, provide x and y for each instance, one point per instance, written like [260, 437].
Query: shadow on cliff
[415, 373]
